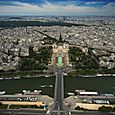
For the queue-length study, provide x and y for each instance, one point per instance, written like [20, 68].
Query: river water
[46, 84]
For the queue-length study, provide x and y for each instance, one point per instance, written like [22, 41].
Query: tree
[105, 109]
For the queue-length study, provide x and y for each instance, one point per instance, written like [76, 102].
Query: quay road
[91, 113]
[43, 112]
[22, 112]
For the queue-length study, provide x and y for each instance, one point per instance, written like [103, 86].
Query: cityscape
[57, 57]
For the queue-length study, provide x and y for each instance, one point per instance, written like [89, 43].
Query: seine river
[46, 84]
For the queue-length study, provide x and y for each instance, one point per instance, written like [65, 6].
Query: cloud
[49, 8]
[110, 4]
[92, 3]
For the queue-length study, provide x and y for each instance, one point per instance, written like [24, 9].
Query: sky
[58, 7]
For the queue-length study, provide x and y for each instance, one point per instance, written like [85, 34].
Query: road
[58, 106]
[43, 112]
[22, 112]
[92, 113]
[59, 91]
